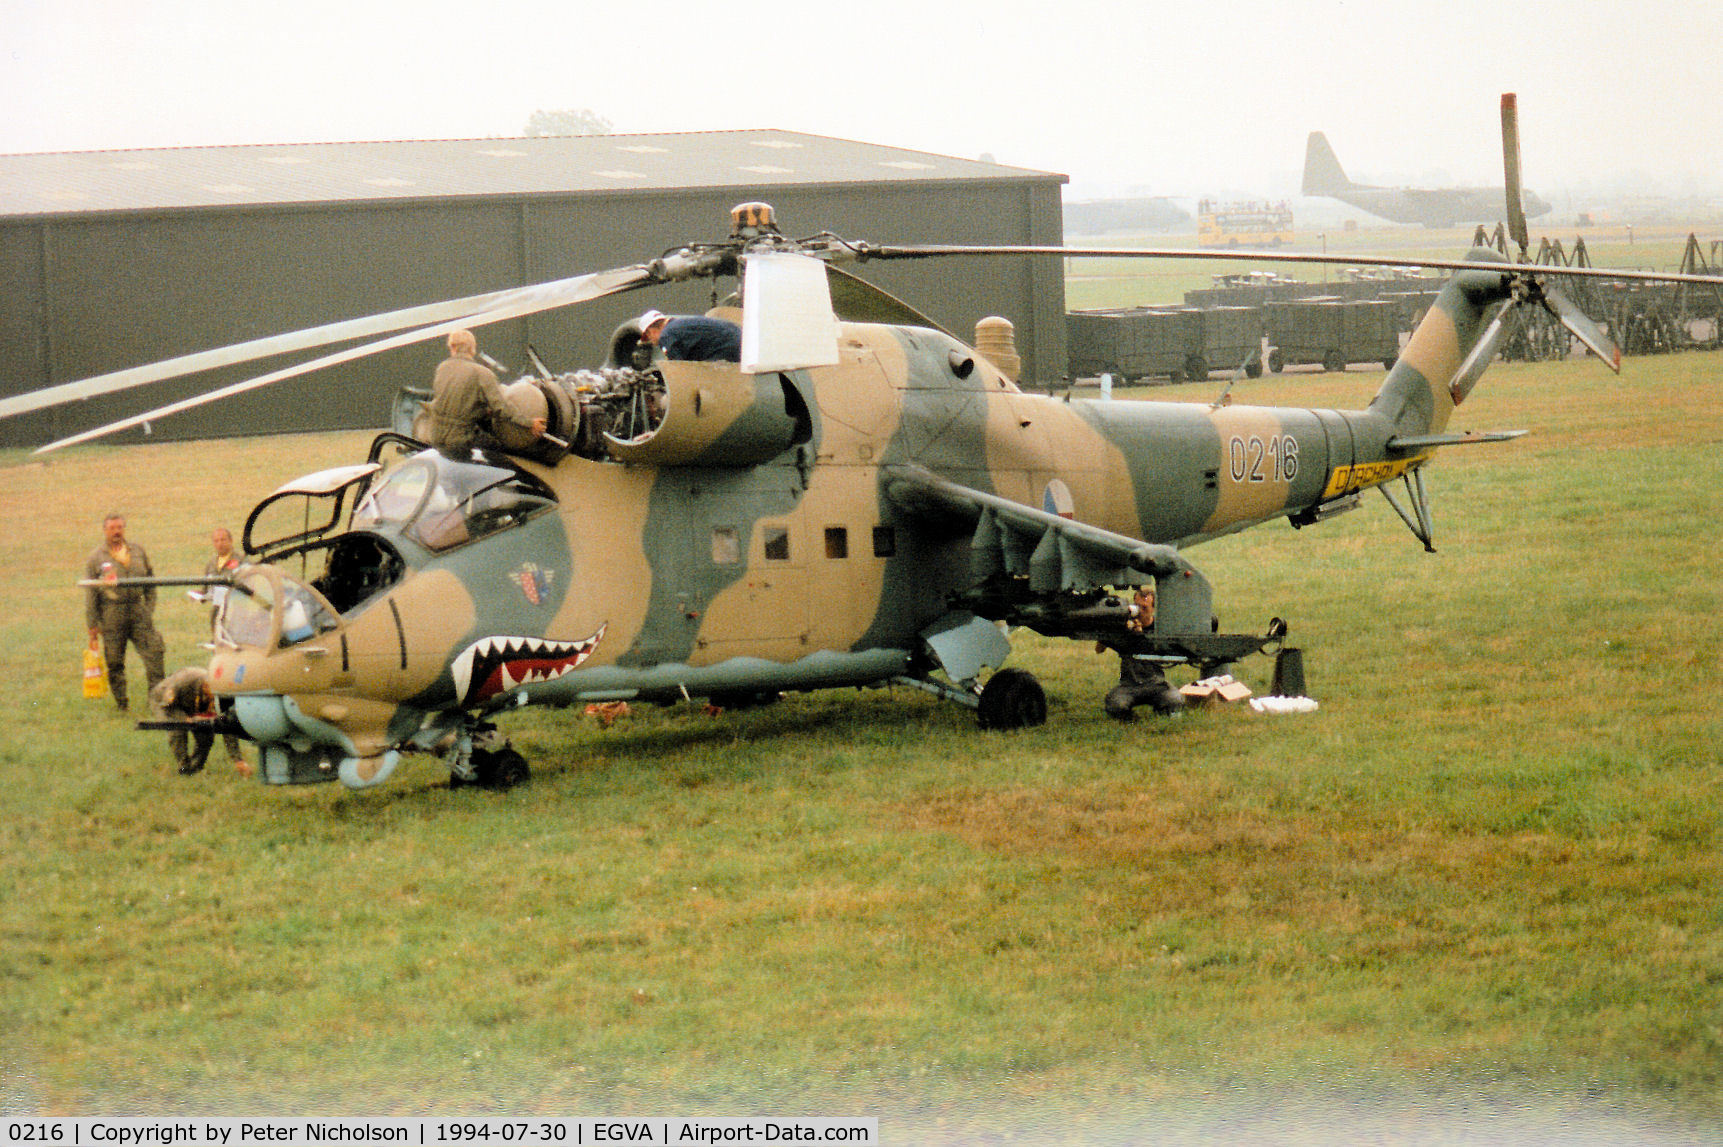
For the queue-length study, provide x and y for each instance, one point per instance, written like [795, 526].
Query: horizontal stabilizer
[1463, 438]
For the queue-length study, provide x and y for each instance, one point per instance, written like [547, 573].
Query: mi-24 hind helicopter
[862, 499]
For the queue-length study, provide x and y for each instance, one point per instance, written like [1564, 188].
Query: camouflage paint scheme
[807, 530]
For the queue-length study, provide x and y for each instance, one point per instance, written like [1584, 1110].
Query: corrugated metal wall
[85, 295]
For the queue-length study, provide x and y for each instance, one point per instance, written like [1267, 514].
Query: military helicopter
[862, 499]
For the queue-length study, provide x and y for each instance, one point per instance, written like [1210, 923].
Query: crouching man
[186, 696]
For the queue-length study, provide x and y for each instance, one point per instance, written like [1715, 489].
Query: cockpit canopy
[431, 499]
[268, 610]
[428, 502]
[440, 503]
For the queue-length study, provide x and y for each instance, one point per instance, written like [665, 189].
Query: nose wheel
[503, 769]
[486, 760]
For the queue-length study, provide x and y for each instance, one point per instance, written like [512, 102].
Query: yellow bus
[1243, 224]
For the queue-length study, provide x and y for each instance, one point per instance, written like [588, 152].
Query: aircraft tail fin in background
[1323, 174]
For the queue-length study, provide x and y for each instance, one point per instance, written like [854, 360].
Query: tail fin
[1416, 399]
[1323, 174]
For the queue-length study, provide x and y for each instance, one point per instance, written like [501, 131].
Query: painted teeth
[495, 665]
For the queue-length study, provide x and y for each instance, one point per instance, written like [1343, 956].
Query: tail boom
[1416, 398]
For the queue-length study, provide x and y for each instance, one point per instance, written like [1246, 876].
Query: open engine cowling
[714, 415]
[541, 398]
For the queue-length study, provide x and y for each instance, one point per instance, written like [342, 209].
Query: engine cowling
[532, 398]
[714, 415]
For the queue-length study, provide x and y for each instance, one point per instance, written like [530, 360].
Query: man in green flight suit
[120, 613]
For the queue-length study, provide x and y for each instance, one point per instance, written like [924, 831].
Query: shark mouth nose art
[496, 665]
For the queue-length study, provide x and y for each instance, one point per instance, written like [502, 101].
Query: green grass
[1485, 872]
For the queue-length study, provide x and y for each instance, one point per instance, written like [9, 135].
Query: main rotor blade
[787, 320]
[855, 300]
[1583, 328]
[528, 300]
[936, 251]
[306, 339]
[1511, 172]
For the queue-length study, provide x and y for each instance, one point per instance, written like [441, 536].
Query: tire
[502, 769]
[1196, 368]
[1333, 360]
[1253, 367]
[1276, 361]
[1012, 699]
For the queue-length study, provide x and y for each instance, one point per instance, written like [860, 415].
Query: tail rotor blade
[1511, 172]
[1475, 363]
[1582, 327]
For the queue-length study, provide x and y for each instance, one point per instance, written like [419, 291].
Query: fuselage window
[837, 542]
[726, 546]
[884, 542]
[777, 540]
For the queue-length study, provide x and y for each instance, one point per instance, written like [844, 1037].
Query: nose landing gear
[485, 759]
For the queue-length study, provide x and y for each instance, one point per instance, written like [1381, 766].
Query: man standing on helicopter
[694, 338]
[467, 404]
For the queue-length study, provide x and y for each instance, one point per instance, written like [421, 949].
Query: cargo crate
[1332, 332]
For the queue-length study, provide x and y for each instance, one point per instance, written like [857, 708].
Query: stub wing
[1065, 578]
[1056, 553]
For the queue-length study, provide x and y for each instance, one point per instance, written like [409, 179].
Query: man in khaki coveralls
[120, 613]
[186, 695]
[467, 402]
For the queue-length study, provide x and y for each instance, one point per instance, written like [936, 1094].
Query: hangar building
[119, 258]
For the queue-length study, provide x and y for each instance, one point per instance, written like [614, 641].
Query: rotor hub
[752, 220]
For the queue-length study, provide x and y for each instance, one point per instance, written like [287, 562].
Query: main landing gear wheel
[1012, 699]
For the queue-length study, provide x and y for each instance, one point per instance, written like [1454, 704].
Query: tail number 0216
[1255, 459]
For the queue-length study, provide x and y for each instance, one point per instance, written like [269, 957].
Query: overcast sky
[1188, 98]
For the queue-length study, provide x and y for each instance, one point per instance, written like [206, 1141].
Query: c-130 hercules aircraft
[863, 499]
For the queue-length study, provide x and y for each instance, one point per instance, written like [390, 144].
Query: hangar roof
[170, 179]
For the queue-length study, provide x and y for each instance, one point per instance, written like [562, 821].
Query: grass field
[1483, 878]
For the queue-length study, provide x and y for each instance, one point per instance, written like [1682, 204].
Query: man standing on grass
[120, 613]
[222, 561]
